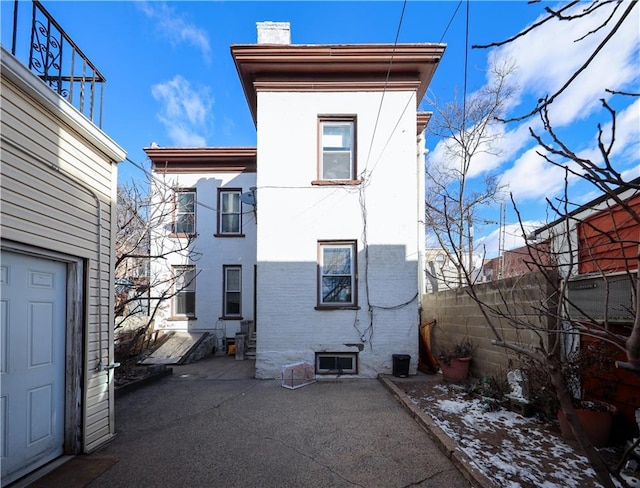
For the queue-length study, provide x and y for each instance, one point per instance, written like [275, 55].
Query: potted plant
[595, 417]
[455, 360]
[585, 374]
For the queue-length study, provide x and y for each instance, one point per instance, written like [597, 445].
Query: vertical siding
[608, 241]
[44, 208]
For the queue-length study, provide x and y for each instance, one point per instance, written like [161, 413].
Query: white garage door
[33, 313]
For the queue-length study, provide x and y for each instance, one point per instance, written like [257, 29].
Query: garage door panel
[41, 333]
[33, 313]
[40, 418]
[3, 419]
[41, 280]
[4, 324]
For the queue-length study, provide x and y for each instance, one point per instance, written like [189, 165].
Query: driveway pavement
[211, 424]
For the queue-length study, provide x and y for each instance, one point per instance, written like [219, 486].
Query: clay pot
[595, 422]
[456, 370]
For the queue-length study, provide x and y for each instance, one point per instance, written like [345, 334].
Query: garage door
[33, 312]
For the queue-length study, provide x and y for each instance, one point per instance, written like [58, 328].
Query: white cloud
[174, 27]
[531, 177]
[551, 53]
[546, 59]
[489, 245]
[185, 111]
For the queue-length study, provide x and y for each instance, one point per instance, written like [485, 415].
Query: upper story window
[229, 212]
[337, 274]
[184, 212]
[337, 149]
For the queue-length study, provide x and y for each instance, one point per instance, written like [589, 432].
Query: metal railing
[60, 63]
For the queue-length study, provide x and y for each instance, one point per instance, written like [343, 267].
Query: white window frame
[178, 213]
[183, 284]
[325, 274]
[224, 193]
[329, 146]
[226, 291]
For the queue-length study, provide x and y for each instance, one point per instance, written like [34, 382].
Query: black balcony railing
[60, 63]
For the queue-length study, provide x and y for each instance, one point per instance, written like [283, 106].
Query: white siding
[294, 216]
[53, 163]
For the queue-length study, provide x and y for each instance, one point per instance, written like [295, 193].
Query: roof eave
[256, 62]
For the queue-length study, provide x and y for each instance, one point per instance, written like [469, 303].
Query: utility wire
[450, 21]
[386, 81]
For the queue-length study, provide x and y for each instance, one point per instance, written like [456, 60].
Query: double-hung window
[337, 155]
[184, 291]
[232, 286]
[229, 211]
[337, 277]
[184, 222]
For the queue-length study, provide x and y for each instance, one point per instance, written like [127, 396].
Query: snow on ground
[511, 450]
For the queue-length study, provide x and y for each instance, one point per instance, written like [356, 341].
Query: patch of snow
[513, 451]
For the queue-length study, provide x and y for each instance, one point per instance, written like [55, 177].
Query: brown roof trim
[318, 66]
[423, 119]
[202, 159]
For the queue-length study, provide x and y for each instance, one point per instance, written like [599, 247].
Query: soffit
[202, 159]
[335, 67]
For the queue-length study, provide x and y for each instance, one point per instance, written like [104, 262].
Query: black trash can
[401, 365]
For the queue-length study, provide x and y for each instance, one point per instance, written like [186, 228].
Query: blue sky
[171, 78]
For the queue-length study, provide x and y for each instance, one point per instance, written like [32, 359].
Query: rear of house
[326, 259]
[58, 191]
[203, 242]
[340, 187]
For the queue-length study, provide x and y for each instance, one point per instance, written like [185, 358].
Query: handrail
[60, 63]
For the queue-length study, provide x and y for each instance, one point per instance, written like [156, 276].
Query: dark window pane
[345, 363]
[233, 303]
[185, 303]
[336, 289]
[326, 362]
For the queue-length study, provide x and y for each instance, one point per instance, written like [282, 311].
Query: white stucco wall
[211, 253]
[293, 216]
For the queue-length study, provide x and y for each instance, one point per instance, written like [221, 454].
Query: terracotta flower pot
[595, 422]
[456, 370]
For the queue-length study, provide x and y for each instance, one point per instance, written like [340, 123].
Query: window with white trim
[184, 291]
[337, 274]
[184, 212]
[232, 286]
[337, 148]
[229, 211]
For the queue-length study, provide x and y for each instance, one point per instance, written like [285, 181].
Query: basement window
[336, 363]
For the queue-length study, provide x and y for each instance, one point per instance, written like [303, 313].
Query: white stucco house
[213, 236]
[59, 176]
[339, 187]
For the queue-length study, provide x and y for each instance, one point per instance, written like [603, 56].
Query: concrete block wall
[458, 316]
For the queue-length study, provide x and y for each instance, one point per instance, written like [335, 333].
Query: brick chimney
[274, 32]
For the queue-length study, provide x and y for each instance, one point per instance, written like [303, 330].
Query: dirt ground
[511, 450]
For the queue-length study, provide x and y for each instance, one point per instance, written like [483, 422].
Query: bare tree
[468, 129]
[145, 210]
[568, 248]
